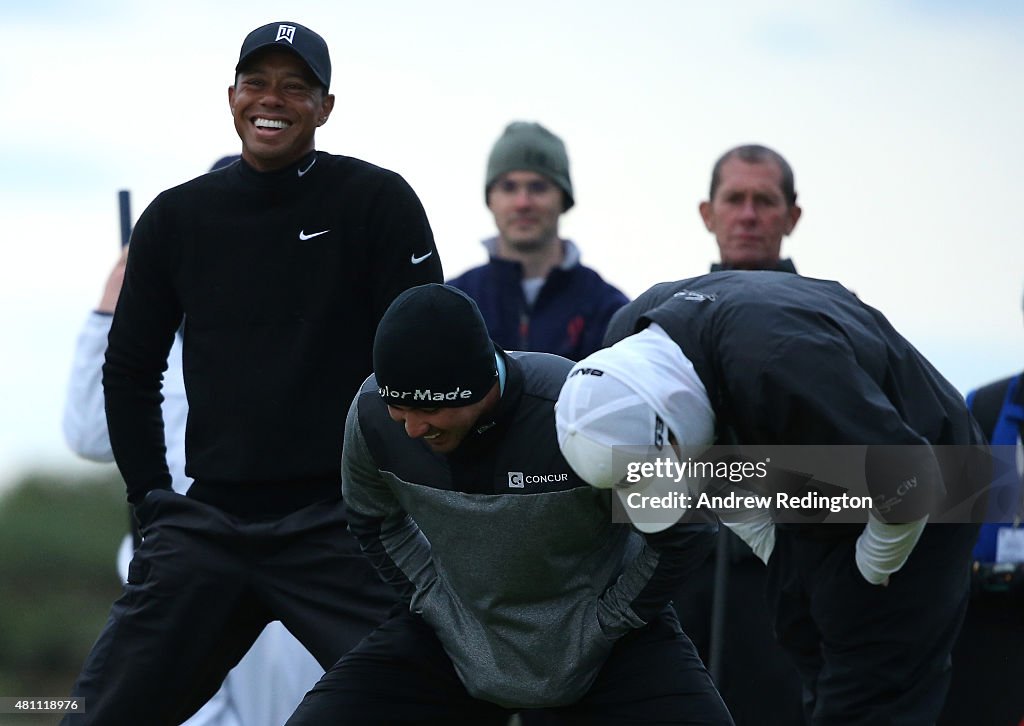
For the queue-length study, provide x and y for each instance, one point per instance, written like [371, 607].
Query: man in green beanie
[533, 292]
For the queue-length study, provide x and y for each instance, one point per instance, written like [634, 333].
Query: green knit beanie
[526, 146]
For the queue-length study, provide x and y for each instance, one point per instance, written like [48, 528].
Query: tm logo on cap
[286, 32]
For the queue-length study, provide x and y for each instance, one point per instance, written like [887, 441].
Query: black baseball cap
[298, 39]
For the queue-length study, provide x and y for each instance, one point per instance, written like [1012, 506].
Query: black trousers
[869, 654]
[401, 674]
[991, 643]
[202, 586]
[757, 680]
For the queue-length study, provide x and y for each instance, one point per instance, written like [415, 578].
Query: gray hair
[756, 154]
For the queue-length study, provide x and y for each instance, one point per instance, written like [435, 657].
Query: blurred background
[901, 120]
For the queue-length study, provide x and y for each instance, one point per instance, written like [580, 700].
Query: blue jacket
[1004, 432]
[568, 318]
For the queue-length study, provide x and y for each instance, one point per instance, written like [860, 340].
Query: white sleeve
[757, 529]
[175, 411]
[754, 526]
[882, 548]
[85, 421]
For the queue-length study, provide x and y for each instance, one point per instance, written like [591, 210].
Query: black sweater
[281, 278]
[790, 360]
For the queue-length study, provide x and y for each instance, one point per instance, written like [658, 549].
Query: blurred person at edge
[992, 639]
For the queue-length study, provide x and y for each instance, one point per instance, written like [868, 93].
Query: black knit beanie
[432, 350]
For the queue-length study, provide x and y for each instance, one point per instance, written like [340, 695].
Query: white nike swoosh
[303, 236]
[302, 172]
[417, 260]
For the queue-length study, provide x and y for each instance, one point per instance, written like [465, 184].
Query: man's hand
[883, 549]
[113, 287]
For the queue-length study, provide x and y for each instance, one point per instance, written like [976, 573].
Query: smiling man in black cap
[520, 591]
[279, 268]
[293, 61]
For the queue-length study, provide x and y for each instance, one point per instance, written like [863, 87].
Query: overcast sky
[901, 120]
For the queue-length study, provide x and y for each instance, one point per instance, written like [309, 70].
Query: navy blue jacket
[1004, 431]
[568, 318]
